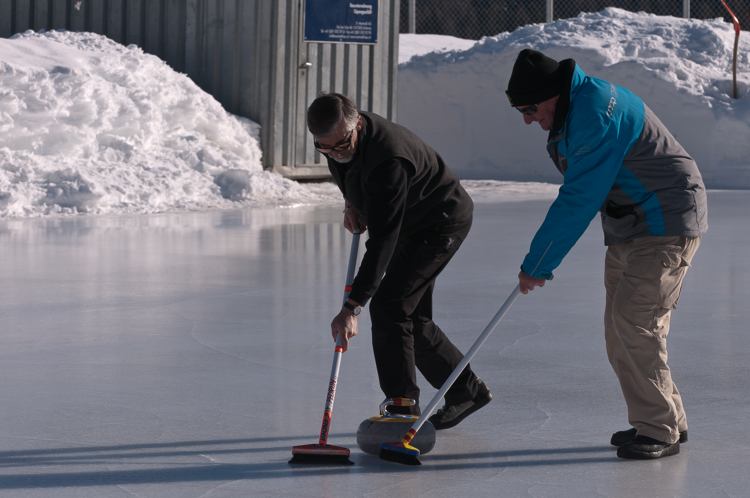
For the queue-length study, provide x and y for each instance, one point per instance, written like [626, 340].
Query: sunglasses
[529, 111]
[345, 144]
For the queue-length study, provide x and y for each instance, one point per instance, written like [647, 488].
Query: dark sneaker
[621, 437]
[646, 448]
[451, 416]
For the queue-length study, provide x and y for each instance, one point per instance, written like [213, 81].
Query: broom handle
[466, 359]
[352, 265]
[338, 351]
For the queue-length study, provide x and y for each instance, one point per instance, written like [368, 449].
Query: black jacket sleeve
[386, 191]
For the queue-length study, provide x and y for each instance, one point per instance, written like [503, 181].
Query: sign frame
[334, 17]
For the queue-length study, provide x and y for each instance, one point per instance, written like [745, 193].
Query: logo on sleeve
[611, 107]
[612, 100]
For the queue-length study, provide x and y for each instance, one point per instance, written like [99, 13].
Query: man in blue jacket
[617, 158]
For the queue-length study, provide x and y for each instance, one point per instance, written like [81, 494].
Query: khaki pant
[643, 279]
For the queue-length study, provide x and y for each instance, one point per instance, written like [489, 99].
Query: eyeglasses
[529, 111]
[345, 144]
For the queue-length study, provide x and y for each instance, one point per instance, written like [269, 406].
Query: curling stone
[391, 428]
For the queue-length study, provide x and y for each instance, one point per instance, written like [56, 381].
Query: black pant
[403, 333]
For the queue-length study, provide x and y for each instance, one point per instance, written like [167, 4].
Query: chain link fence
[473, 19]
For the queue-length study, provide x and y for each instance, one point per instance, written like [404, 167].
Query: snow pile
[90, 126]
[411, 45]
[681, 68]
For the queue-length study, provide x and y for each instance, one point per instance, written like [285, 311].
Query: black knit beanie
[535, 78]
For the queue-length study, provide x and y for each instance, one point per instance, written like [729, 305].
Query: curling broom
[323, 452]
[403, 452]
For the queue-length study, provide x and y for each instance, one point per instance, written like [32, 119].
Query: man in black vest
[418, 215]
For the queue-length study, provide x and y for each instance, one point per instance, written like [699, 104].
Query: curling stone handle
[394, 402]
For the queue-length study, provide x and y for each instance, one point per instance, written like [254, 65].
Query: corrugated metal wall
[248, 54]
[365, 73]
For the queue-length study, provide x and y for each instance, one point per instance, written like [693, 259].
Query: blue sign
[341, 21]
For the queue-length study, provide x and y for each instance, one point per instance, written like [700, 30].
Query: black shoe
[451, 416]
[621, 437]
[646, 448]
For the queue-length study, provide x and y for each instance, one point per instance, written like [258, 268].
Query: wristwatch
[356, 310]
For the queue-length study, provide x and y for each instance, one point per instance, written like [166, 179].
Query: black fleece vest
[435, 195]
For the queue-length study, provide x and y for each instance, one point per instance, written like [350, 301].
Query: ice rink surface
[183, 355]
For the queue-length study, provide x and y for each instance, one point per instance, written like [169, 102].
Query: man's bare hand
[344, 325]
[352, 221]
[529, 283]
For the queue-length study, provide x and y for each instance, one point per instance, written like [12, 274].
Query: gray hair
[328, 110]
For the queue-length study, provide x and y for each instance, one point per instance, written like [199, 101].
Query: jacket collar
[572, 81]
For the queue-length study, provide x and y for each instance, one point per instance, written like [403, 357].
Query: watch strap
[354, 309]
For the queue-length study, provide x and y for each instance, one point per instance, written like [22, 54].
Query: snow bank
[681, 68]
[91, 126]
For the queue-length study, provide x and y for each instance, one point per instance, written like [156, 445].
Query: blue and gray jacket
[619, 159]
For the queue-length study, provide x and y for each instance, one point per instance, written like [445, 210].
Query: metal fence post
[551, 8]
[686, 9]
[412, 16]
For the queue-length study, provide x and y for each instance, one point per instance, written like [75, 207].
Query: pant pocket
[673, 267]
[432, 251]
